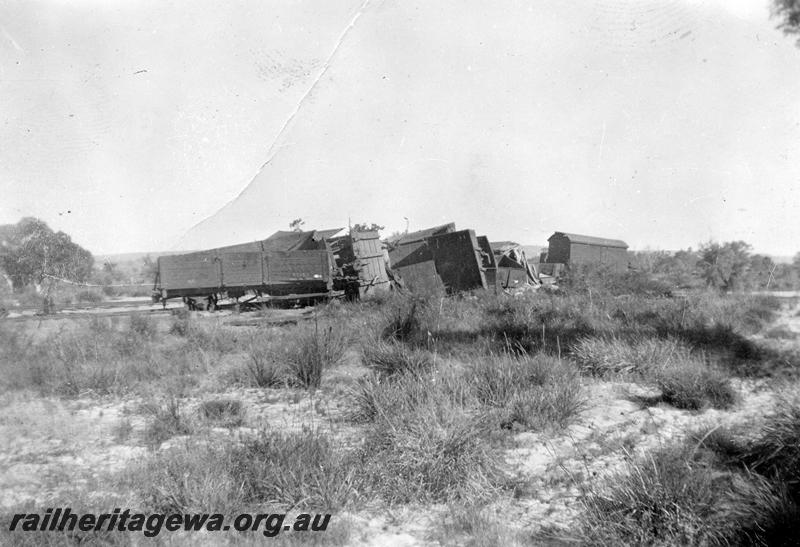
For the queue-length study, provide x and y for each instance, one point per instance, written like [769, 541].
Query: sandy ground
[57, 448]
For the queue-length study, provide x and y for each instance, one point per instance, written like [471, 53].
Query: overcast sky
[158, 125]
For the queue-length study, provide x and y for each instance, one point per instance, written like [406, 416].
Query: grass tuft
[693, 386]
[312, 351]
[392, 358]
[166, 421]
[674, 496]
[298, 470]
[227, 412]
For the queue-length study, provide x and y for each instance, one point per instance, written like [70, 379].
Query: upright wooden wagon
[287, 265]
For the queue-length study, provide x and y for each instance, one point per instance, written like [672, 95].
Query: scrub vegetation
[440, 404]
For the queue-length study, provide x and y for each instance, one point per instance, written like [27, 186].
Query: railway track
[129, 307]
[105, 309]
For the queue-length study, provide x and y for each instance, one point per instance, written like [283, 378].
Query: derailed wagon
[304, 266]
[443, 258]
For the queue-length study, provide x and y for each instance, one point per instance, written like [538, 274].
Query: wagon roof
[590, 240]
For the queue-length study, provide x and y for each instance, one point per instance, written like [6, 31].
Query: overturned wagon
[287, 265]
[444, 258]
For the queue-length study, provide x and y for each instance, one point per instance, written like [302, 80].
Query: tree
[788, 11]
[296, 224]
[725, 266]
[364, 227]
[32, 252]
[761, 273]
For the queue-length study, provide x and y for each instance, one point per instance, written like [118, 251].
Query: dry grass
[685, 379]
[225, 412]
[472, 525]
[431, 453]
[692, 385]
[674, 496]
[391, 358]
[616, 356]
[425, 434]
[281, 470]
[165, 420]
[533, 392]
[313, 350]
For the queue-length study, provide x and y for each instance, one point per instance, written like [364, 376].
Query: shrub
[391, 358]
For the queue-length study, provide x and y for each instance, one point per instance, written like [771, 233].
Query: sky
[159, 125]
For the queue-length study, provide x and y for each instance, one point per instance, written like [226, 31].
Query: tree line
[730, 266]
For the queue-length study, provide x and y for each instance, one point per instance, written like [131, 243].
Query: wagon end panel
[369, 262]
